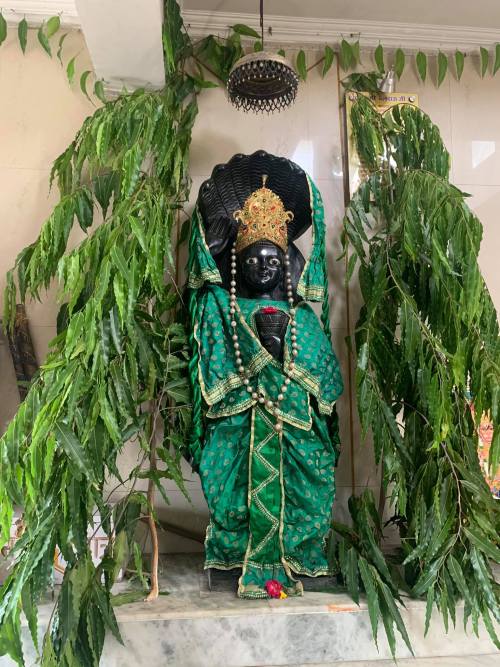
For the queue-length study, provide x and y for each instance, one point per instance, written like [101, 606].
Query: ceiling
[476, 14]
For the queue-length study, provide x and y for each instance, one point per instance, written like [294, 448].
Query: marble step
[490, 660]
[194, 626]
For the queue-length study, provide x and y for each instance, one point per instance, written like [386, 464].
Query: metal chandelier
[262, 81]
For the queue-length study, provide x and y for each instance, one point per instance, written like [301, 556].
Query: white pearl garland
[272, 406]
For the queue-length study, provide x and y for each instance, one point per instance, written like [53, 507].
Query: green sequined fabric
[270, 495]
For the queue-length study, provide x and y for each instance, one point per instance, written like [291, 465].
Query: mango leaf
[379, 58]
[346, 56]
[442, 67]
[399, 62]
[99, 91]
[356, 53]
[42, 38]
[459, 63]
[328, 59]
[22, 33]
[245, 30]
[70, 70]
[496, 65]
[3, 29]
[258, 46]
[301, 65]
[60, 47]
[53, 25]
[83, 83]
[421, 61]
[485, 59]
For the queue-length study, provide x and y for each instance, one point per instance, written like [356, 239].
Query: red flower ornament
[269, 310]
[274, 589]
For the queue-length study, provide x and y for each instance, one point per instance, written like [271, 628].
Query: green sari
[269, 493]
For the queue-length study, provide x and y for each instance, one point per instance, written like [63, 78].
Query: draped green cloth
[269, 493]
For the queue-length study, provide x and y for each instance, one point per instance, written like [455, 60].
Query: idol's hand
[220, 234]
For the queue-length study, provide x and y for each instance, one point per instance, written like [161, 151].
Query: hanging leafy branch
[427, 344]
[116, 370]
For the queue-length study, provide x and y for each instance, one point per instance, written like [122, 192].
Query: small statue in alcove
[265, 378]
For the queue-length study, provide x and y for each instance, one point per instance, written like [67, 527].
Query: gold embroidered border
[310, 292]
[205, 275]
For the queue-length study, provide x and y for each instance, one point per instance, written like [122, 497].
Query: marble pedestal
[197, 627]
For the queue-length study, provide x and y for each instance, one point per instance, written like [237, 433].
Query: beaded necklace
[272, 406]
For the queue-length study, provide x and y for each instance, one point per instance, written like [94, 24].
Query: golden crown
[263, 217]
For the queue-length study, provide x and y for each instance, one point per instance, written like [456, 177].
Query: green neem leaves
[118, 365]
[420, 280]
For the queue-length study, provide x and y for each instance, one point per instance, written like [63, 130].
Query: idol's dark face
[261, 266]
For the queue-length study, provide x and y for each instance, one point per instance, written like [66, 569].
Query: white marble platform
[196, 627]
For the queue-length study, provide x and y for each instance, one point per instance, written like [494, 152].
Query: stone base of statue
[196, 627]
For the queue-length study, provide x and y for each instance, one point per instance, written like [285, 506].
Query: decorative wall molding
[38, 12]
[316, 32]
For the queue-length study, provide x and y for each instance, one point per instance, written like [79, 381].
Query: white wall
[39, 116]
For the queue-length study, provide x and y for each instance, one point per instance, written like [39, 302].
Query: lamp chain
[262, 21]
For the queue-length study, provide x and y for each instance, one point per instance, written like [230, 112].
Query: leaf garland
[116, 370]
[220, 53]
[427, 340]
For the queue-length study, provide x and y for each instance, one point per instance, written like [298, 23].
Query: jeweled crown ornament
[262, 81]
[263, 217]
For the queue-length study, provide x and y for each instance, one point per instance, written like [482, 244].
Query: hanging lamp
[262, 81]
